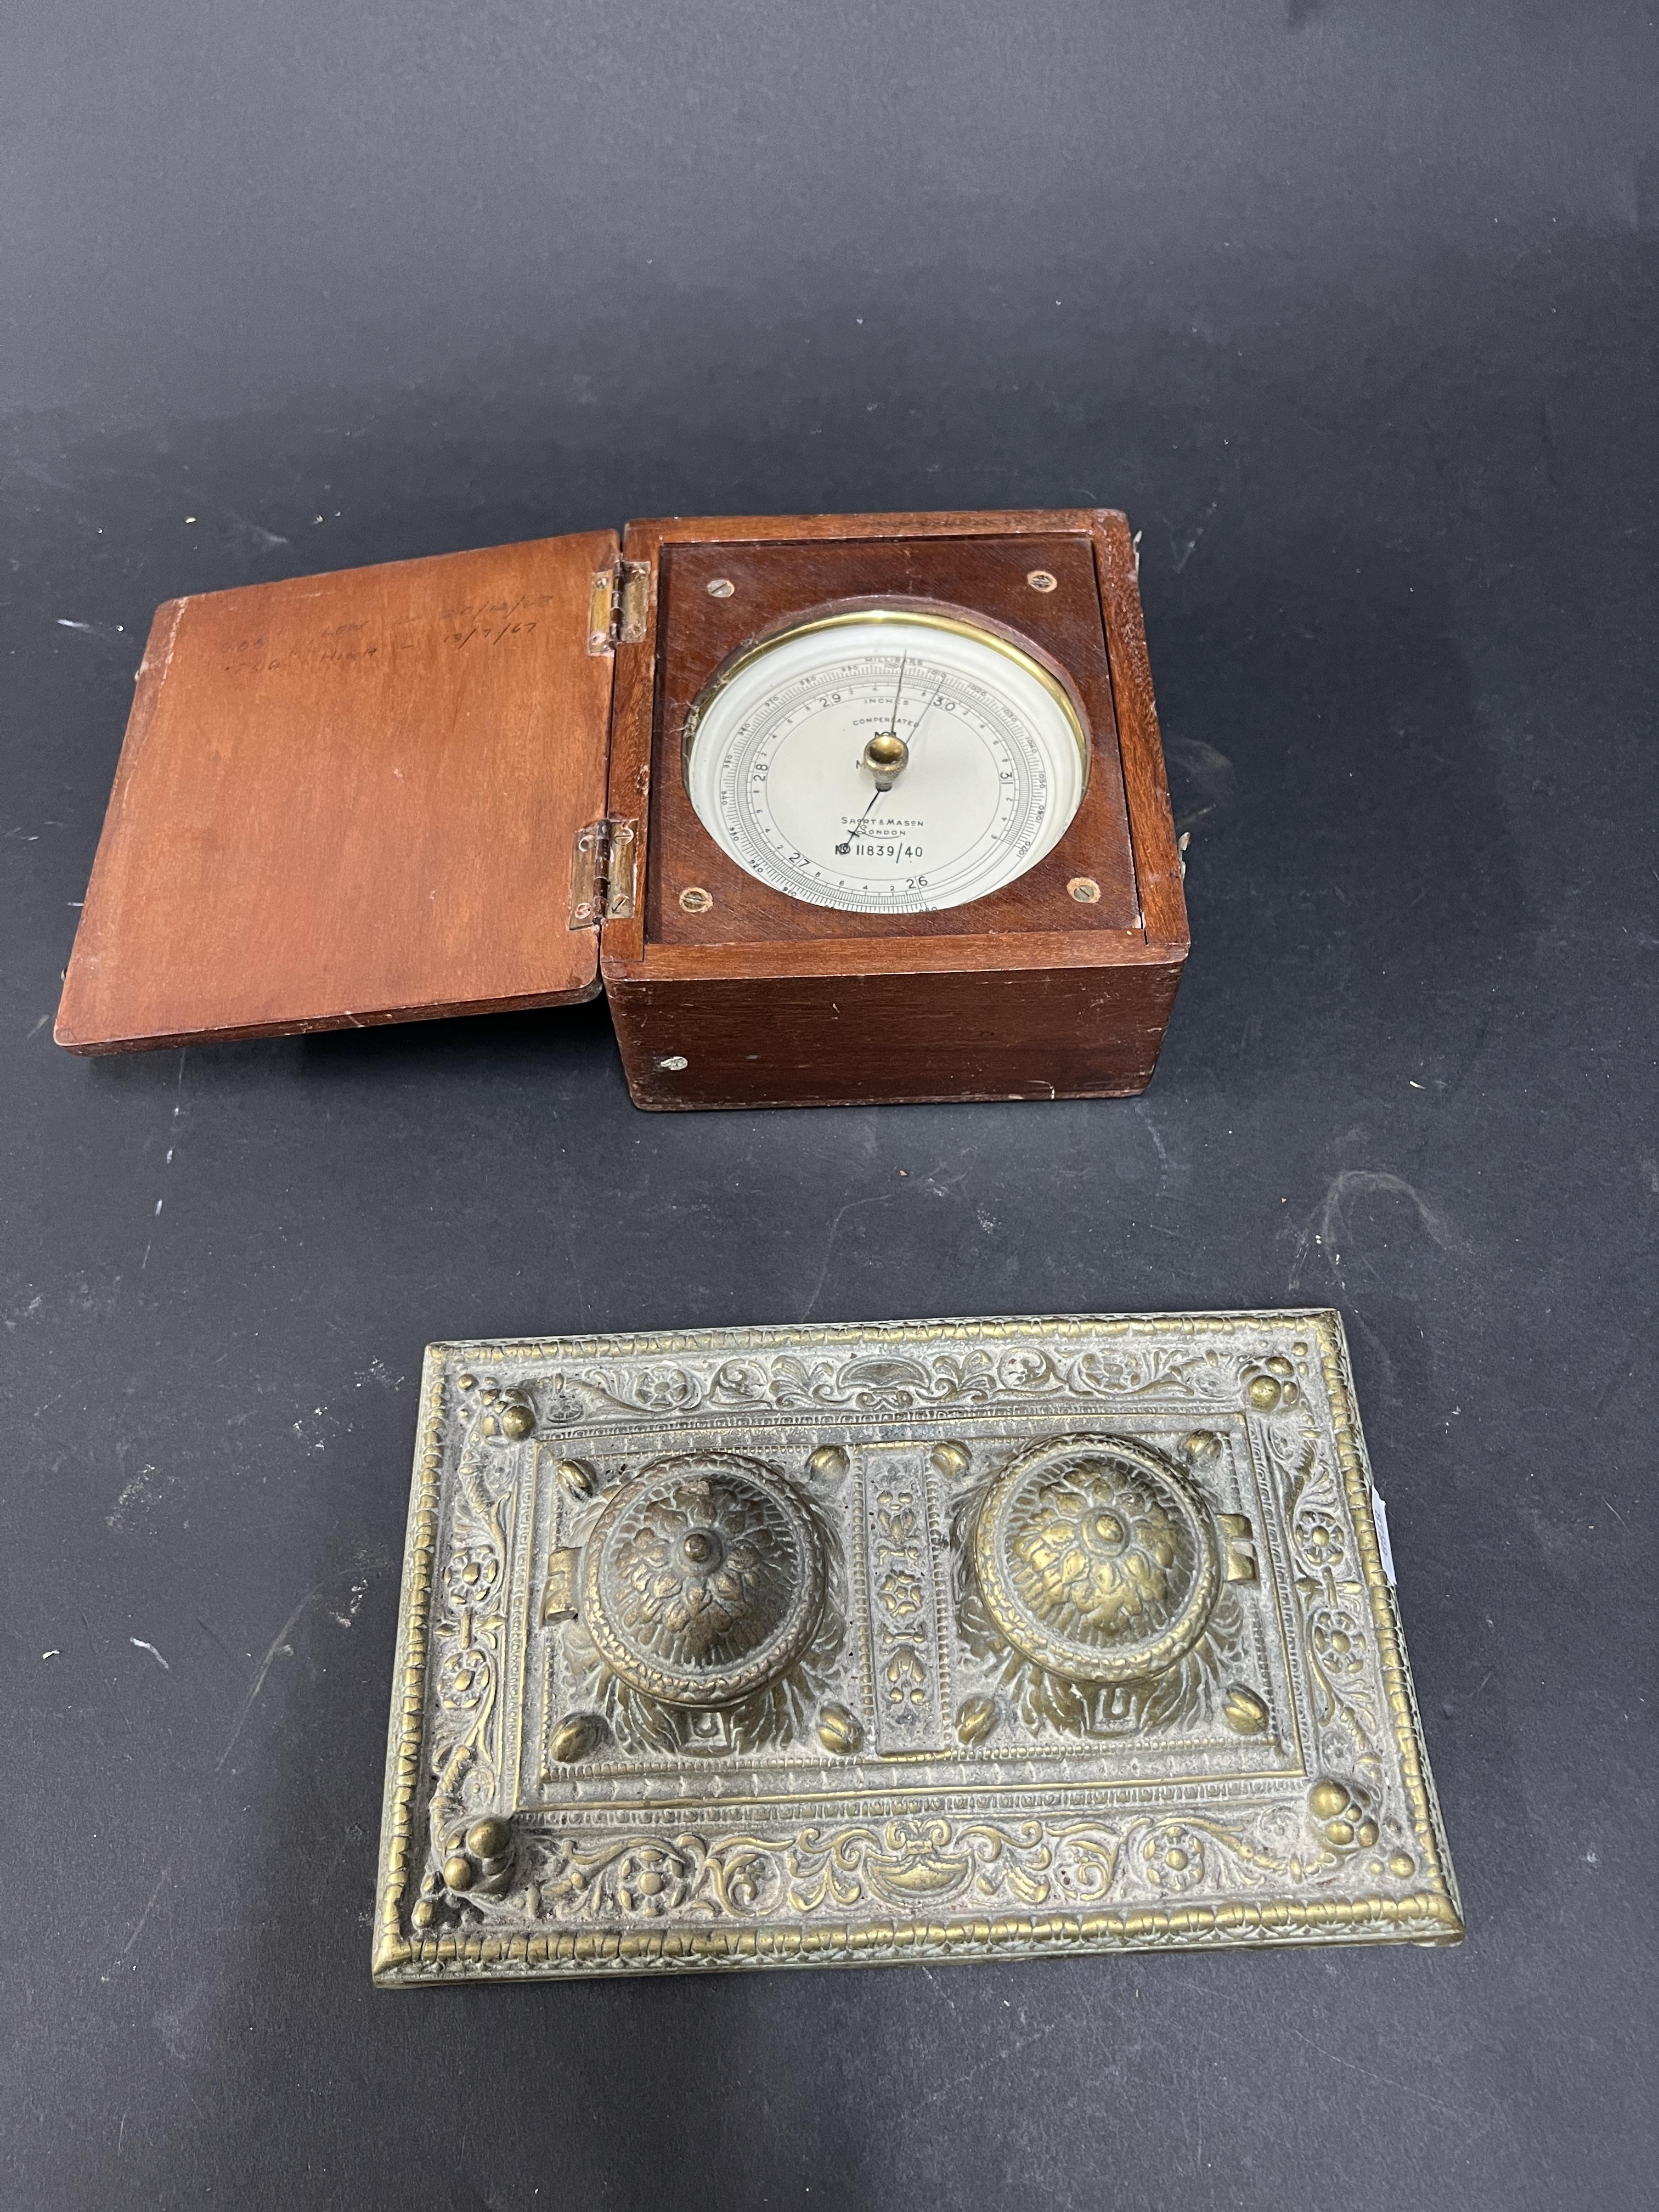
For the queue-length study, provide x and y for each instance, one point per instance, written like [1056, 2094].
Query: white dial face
[886, 762]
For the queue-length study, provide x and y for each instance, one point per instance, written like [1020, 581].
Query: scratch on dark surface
[266, 1664]
[1182, 554]
[1379, 1349]
[138, 1924]
[1615, 1385]
[266, 540]
[877, 1198]
[139, 1645]
[998, 2057]
[98, 1650]
[1326, 1227]
[105, 633]
[1158, 1147]
[1387, 2082]
[233, 1656]
[944, 1996]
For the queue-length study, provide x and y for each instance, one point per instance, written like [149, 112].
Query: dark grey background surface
[1352, 307]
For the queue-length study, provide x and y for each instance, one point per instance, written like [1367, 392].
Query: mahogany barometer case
[852, 808]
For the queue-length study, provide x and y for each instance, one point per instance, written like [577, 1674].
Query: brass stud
[838, 1730]
[517, 1422]
[575, 1737]
[720, 588]
[466, 1381]
[952, 1460]
[1402, 1866]
[1245, 1712]
[578, 1477]
[489, 1839]
[975, 1718]
[424, 1914]
[1085, 890]
[1042, 580]
[1264, 1393]
[694, 900]
[1327, 1799]
[828, 1461]
[460, 1873]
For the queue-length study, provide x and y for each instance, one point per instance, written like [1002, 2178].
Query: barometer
[833, 808]
[886, 760]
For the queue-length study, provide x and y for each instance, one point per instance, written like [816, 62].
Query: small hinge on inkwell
[616, 613]
[603, 866]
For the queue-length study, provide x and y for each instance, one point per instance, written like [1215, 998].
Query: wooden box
[456, 786]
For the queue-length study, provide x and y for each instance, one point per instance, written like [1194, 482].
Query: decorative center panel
[1097, 1559]
[703, 1580]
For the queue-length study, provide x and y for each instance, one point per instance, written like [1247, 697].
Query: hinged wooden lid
[352, 799]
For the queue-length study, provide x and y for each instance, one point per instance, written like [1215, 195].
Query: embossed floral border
[1430, 1914]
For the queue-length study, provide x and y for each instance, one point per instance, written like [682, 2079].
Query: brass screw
[886, 757]
[1041, 580]
[695, 900]
[720, 588]
[1085, 890]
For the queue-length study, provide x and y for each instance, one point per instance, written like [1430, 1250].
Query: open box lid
[353, 798]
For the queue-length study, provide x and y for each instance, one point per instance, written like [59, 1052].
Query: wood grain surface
[1084, 1031]
[351, 798]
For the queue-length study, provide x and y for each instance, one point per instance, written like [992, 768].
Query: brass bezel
[932, 614]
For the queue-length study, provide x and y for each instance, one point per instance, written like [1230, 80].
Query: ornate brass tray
[839, 1645]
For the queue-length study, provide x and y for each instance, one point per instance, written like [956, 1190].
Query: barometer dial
[886, 761]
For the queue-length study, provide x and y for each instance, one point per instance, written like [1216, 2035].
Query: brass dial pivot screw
[886, 757]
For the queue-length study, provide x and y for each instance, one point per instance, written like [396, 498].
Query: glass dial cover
[792, 768]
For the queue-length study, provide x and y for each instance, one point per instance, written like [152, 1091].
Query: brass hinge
[616, 613]
[602, 871]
